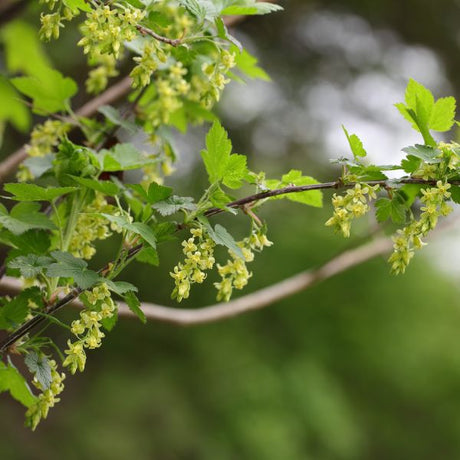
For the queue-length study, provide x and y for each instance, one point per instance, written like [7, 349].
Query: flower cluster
[234, 273]
[88, 327]
[106, 28]
[199, 252]
[51, 23]
[349, 206]
[410, 237]
[90, 227]
[47, 398]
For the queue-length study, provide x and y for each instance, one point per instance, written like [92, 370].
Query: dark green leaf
[14, 312]
[174, 204]
[135, 306]
[30, 265]
[40, 367]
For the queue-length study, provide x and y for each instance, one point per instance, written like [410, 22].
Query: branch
[255, 301]
[116, 91]
[170, 41]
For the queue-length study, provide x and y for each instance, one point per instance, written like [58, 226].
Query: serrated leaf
[138, 228]
[158, 192]
[11, 380]
[123, 157]
[425, 152]
[32, 241]
[195, 8]
[39, 366]
[247, 64]
[135, 306]
[394, 209]
[174, 204]
[30, 265]
[355, 144]
[443, 114]
[294, 177]
[148, 255]
[120, 287]
[104, 186]
[251, 8]
[33, 192]
[68, 266]
[221, 236]
[76, 5]
[50, 92]
[455, 193]
[24, 216]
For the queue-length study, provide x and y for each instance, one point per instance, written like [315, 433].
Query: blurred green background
[363, 366]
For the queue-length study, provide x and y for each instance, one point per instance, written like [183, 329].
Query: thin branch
[170, 41]
[255, 301]
[11, 163]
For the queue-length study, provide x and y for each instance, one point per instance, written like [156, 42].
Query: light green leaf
[443, 114]
[33, 192]
[12, 109]
[120, 287]
[355, 144]
[251, 8]
[76, 5]
[14, 312]
[123, 157]
[247, 64]
[11, 380]
[174, 204]
[50, 91]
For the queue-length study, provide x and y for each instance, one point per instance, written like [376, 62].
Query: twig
[247, 303]
[170, 41]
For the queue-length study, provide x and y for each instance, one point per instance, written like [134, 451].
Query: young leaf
[247, 64]
[425, 152]
[120, 287]
[135, 306]
[106, 187]
[123, 157]
[39, 366]
[68, 266]
[148, 255]
[355, 144]
[158, 192]
[33, 192]
[443, 114]
[250, 7]
[395, 209]
[11, 380]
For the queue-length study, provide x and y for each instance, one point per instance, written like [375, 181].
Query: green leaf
[219, 163]
[219, 148]
[105, 186]
[39, 165]
[148, 255]
[76, 5]
[32, 241]
[123, 157]
[195, 8]
[40, 367]
[33, 192]
[221, 236]
[30, 265]
[174, 204]
[68, 266]
[138, 228]
[294, 177]
[355, 144]
[14, 312]
[455, 193]
[114, 116]
[394, 209]
[11, 380]
[425, 152]
[443, 114]
[23, 49]
[50, 91]
[12, 109]
[251, 8]
[120, 287]
[135, 306]
[158, 192]
[247, 64]
[109, 323]
[23, 217]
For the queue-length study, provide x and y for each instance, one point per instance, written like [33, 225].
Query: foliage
[183, 56]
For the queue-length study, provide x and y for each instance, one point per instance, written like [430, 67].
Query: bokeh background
[362, 366]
